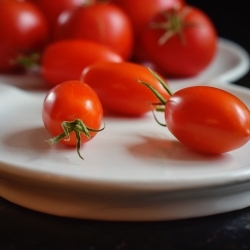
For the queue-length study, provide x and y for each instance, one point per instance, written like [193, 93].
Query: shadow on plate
[169, 149]
[32, 139]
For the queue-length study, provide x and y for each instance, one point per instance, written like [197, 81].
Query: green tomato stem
[156, 93]
[174, 24]
[28, 61]
[161, 81]
[77, 126]
[160, 106]
[159, 109]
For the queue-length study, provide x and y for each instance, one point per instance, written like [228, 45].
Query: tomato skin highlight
[117, 87]
[208, 119]
[186, 54]
[104, 23]
[65, 60]
[68, 101]
[23, 30]
[52, 9]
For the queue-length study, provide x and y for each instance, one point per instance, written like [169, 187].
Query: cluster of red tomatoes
[87, 48]
[179, 40]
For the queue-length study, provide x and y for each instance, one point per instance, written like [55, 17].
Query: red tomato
[65, 60]
[182, 43]
[76, 104]
[23, 30]
[118, 89]
[141, 12]
[207, 119]
[101, 22]
[53, 8]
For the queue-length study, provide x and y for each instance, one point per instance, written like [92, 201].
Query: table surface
[21, 228]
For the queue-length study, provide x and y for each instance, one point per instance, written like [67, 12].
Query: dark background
[231, 18]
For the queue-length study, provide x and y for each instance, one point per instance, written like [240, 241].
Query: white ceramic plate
[230, 64]
[133, 170]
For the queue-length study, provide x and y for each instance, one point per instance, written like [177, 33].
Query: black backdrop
[231, 18]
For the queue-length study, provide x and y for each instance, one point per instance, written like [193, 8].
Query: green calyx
[156, 93]
[76, 126]
[174, 24]
[28, 61]
[160, 106]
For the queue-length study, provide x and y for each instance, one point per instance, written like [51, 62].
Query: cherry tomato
[182, 42]
[65, 60]
[141, 12]
[118, 89]
[76, 106]
[52, 9]
[207, 119]
[23, 30]
[215, 121]
[101, 22]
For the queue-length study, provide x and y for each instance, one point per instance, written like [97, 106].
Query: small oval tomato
[182, 42]
[72, 113]
[23, 30]
[101, 22]
[141, 12]
[117, 87]
[207, 119]
[65, 60]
